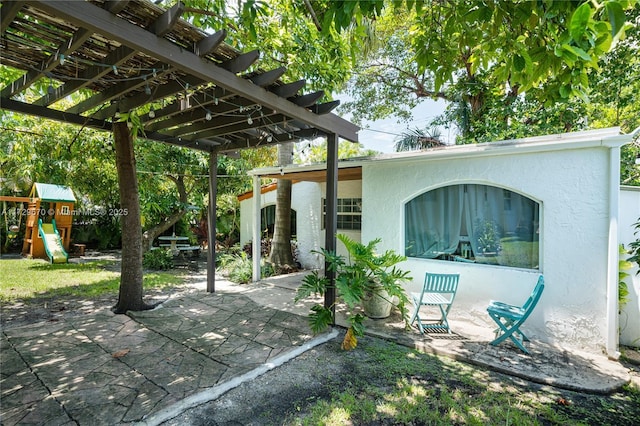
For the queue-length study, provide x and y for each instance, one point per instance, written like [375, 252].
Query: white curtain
[433, 222]
[484, 208]
[502, 226]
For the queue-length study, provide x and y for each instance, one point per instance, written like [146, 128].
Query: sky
[380, 135]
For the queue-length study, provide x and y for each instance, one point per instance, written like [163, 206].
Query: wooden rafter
[132, 54]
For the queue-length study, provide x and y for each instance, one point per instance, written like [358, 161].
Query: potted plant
[488, 237]
[363, 278]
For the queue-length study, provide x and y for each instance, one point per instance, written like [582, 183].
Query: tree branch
[312, 12]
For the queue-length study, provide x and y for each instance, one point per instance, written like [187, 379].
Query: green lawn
[26, 279]
[387, 384]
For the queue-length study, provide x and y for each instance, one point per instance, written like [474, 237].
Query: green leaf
[518, 63]
[312, 284]
[320, 318]
[579, 21]
[617, 17]
[577, 51]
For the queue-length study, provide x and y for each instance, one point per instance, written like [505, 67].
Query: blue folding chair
[438, 290]
[511, 317]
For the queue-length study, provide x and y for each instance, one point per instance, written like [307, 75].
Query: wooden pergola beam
[241, 62]
[308, 99]
[115, 58]
[238, 125]
[209, 44]
[70, 45]
[65, 117]
[160, 92]
[167, 21]
[268, 78]
[9, 10]
[324, 108]
[87, 15]
[289, 90]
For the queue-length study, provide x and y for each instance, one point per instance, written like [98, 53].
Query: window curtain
[484, 206]
[502, 226]
[433, 222]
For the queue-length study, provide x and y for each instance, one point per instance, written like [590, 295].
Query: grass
[26, 279]
[391, 384]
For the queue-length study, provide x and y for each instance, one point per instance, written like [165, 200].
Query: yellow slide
[52, 242]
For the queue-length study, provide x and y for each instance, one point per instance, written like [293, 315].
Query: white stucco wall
[572, 186]
[630, 315]
[346, 189]
[306, 200]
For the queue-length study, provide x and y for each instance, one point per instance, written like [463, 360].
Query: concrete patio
[145, 368]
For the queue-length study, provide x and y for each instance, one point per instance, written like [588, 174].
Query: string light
[269, 138]
[61, 59]
[115, 69]
[249, 121]
[147, 89]
[208, 116]
[152, 112]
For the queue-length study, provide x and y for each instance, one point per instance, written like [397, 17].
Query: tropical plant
[415, 139]
[634, 247]
[623, 290]
[358, 276]
[487, 235]
[506, 69]
[161, 259]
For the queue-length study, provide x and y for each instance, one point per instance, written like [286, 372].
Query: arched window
[474, 223]
[268, 220]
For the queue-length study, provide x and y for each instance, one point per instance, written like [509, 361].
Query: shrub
[240, 269]
[265, 251]
[160, 259]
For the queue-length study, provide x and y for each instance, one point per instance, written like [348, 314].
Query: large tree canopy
[524, 44]
[477, 55]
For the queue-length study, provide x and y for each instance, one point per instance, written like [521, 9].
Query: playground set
[49, 219]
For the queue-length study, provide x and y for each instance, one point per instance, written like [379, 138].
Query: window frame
[349, 210]
[524, 248]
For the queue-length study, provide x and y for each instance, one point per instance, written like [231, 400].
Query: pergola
[195, 91]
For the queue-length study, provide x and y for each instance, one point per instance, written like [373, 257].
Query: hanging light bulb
[115, 69]
[269, 138]
[208, 116]
[155, 74]
[61, 59]
[249, 121]
[147, 90]
[152, 113]
[215, 101]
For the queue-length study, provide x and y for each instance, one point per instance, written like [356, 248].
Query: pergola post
[211, 228]
[257, 243]
[331, 217]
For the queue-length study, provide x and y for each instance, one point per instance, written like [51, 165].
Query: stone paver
[106, 369]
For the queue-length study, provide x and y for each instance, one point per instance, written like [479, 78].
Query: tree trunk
[130, 294]
[281, 255]
[154, 232]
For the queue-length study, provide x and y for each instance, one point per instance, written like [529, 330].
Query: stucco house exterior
[499, 214]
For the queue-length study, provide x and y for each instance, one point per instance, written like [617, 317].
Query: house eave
[608, 138]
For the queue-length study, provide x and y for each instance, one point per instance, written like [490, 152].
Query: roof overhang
[347, 170]
[352, 169]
